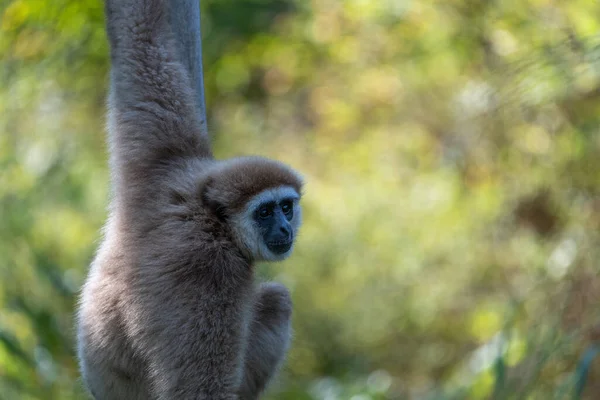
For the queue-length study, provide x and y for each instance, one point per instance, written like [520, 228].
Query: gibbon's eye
[265, 212]
[286, 206]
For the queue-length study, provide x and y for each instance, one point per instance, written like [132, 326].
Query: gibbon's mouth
[280, 247]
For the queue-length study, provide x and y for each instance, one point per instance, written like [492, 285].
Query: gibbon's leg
[268, 338]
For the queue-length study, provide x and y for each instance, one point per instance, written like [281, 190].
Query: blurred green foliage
[452, 209]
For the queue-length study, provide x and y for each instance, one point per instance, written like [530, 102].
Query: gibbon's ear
[214, 200]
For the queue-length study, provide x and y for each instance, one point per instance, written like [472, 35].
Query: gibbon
[170, 308]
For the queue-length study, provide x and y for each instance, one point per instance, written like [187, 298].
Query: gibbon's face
[273, 220]
[270, 222]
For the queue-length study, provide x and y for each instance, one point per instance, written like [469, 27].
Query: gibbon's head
[259, 198]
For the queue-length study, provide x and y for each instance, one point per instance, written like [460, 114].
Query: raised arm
[152, 107]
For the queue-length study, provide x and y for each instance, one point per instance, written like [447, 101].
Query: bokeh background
[452, 156]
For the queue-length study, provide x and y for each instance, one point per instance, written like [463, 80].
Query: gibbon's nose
[280, 239]
[285, 230]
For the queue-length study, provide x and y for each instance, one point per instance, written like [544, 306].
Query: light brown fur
[170, 309]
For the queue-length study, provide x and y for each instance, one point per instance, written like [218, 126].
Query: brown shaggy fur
[170, 309]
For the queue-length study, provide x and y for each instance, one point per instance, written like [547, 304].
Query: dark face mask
[273, 220]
